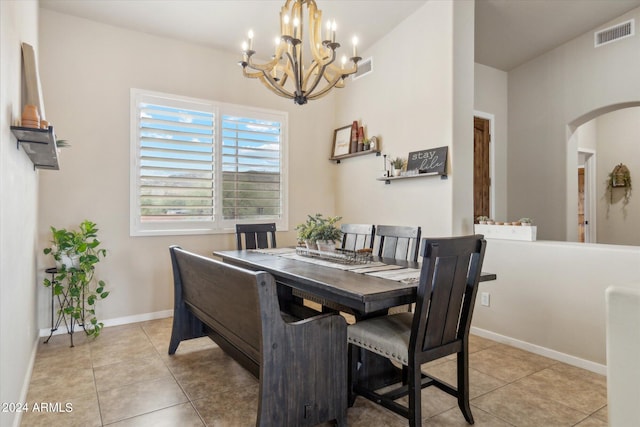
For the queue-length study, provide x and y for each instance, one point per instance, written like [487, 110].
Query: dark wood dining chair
[398, 242]
[357, 236]
[439, 327]
[256, 236]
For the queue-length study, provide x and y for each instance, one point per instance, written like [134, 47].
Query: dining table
[364, 286]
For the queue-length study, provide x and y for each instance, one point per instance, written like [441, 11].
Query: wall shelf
[40, 146]
[388, 179]
[337, 159]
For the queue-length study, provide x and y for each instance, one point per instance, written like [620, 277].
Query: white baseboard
[542, 351]
[117, 321]
[27, 380]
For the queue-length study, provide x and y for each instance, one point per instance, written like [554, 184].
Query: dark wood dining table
[362, 295]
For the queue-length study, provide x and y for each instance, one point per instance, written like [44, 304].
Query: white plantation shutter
[251, 169]
[176, 163]
[198, 170]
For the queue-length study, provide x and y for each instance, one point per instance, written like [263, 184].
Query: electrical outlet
[484, 299]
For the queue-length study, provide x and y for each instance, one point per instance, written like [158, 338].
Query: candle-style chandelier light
[287, 74]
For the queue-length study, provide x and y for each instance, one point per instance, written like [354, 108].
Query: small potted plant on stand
[526, 221]
[76, 253]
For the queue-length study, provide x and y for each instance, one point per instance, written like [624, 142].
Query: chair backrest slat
[256, 236]
[398, 242]
[447, 290]
[357, 236]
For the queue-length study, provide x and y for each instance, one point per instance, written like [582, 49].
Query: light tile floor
[126, 378]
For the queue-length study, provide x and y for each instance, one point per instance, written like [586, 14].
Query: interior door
[481, 173]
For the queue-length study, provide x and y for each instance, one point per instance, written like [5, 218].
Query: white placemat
[400, 275]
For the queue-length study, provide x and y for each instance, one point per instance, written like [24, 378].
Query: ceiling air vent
[615, 33]
[364, 67]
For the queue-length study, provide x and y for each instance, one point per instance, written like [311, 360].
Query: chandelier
[287, 74]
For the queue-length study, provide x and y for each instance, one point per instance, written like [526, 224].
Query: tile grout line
[174, 378]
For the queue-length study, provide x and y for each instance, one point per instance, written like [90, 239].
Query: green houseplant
[397, 164]
[326, 232]
[76, 253]
[306, 230]
[620, 177]
[319, 232]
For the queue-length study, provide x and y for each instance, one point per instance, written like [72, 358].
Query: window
[200, 167]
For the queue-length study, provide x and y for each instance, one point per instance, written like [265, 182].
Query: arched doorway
[597, 142]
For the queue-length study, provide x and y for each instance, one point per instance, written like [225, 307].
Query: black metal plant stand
[63, 302]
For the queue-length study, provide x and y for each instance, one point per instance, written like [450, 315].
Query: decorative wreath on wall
[620, 177]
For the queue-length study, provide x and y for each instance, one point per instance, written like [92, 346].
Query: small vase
[397, 172]
[30, 116]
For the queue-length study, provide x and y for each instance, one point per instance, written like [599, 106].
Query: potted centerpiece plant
[307, 229]
[526, 221]
[326, 233]
[76, 253]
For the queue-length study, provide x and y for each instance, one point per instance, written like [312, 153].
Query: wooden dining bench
[301, 365]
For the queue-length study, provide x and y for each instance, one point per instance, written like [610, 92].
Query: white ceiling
[508, 32]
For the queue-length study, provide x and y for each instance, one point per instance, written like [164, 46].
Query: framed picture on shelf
[341, 141]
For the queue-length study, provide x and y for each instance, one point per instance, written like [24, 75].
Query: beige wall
[87, 70]
[409, 102]
[548, 94]
[18, 214]
[618, 141]
[549, 296]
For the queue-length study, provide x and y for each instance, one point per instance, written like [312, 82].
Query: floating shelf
[359, 153]
[40, 146]
[388, 179]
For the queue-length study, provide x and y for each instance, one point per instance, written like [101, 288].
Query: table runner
[396, 273]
